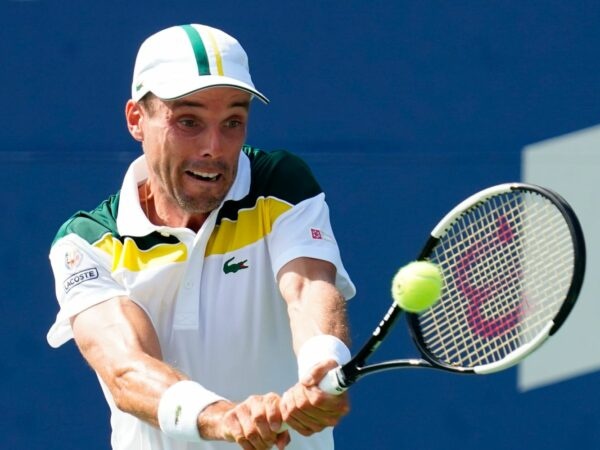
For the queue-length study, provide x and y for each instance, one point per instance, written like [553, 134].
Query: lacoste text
[80, 277]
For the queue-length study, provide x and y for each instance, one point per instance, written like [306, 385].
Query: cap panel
[160, 57]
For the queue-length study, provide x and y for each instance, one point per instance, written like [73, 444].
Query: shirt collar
[131, 219]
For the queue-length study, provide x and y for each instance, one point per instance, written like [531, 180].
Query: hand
[253, 424]
[307, 409]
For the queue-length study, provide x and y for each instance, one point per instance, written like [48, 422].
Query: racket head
[513, 261]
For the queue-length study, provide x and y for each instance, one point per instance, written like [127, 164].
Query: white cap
[183, 59]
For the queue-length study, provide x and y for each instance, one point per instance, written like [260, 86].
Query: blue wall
[402, 108]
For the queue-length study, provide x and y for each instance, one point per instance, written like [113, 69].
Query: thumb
[318, 371]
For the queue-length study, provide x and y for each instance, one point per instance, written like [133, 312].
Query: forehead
[213, 98]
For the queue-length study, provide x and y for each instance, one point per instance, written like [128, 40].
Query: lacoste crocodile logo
[231, 267]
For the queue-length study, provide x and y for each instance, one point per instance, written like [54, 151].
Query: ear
[134, 117]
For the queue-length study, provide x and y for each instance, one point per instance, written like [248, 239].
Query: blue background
[402, 109]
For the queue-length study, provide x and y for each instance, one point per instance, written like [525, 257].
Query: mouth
[204, 176]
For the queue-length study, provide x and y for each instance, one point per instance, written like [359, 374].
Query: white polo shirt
[211, 296]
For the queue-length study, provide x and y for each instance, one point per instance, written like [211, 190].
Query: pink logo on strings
[479, 295]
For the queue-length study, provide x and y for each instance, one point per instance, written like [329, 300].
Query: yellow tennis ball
[417, 286]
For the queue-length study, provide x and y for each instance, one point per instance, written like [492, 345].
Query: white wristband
[321, 348]
[179, 407]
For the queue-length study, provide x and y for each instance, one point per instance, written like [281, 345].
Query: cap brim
[181, 88]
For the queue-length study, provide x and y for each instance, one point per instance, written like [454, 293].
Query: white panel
[570, 165]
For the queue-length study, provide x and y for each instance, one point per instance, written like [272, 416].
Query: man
[208, 294]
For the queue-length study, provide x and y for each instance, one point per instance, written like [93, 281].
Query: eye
[234, 123]
[188, 122]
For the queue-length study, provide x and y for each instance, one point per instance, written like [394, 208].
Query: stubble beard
[204, 203]
[199, 204]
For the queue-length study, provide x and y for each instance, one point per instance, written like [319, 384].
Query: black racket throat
[358, 366]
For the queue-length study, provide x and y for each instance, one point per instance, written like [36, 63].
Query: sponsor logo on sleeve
[316, 234]
[72, 258]
[80, 277]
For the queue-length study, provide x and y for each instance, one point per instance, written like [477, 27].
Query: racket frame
[343, 377]
[579, 258]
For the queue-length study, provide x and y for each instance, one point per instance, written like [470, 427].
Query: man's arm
[118, 340]
[316, 308]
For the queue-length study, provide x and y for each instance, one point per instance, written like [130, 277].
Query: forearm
[317, 308]
[319, 326]
[118, 341]
[317, 312]
[151, 390]
[200, 412]
[138, 386]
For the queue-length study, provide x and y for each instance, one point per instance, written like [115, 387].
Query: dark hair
[147, 103]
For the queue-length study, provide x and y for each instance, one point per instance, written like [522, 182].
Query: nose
[212, 144]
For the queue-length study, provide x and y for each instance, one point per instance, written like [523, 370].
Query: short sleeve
[82, 278]
[305, 231]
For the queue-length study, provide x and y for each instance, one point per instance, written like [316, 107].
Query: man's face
[192, 146]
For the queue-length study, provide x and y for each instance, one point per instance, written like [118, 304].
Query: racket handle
[331, 382]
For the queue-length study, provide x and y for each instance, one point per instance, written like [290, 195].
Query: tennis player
[208, 293]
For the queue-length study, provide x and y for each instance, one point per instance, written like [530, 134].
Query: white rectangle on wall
[570, 165]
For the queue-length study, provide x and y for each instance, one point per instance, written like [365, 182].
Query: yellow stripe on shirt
[251, 226]
[129, 256]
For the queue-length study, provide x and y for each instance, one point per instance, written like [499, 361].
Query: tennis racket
[512, 259]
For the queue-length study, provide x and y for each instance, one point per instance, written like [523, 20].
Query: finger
[240, 429]
[245, 444]
[236, 434]
[293, 404]
[283, 439]
[232, 428]
[257, 430]
[273, 412]
[334, 405]
[309, 410]
[288, 409]
[304, 425]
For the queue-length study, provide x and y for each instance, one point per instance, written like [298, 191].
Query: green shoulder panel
[92, 225]
[279, 174]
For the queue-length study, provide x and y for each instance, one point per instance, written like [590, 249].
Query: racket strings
[507, 264]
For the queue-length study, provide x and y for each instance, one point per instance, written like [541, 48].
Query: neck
[159, 215]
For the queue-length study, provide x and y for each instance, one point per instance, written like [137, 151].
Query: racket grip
[331, 382]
